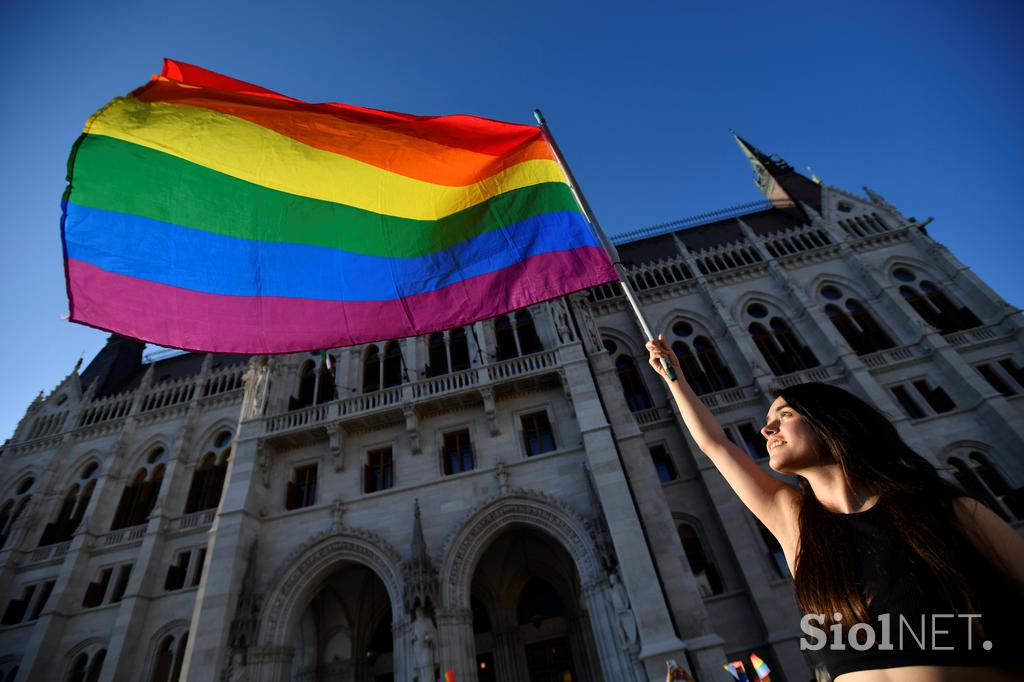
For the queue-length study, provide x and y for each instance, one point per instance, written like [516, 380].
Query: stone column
[639, 575]
[234, 527]
[509, 654]
[457, 646]
[401, 631]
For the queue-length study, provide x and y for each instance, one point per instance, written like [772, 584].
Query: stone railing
[738, 254]
[887, 357]
[197, 519]
[650, 416]
[527, 364]
[172, 393]
[446, 383]
[303, 417]
[789, 242]
[390, 398]
[47, 425]
[106, 409]
[802, 377]
[224, 380]
[971, 336]
[726, 397]
[56, 551]
[124, 535]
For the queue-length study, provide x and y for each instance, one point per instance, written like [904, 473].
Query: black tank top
[909, 613]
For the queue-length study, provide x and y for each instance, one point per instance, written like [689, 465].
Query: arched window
[72, 510]
[307, 384]
[447, 352]
[86, 667]
[379, 374]
[169, 657]
[854, 322]
[709, 582]
[208, 477]
[437, 355]
[79, 668]
[981, 480]
[780, 347]
[139, 496]
[701, 364]
[96, 666]
[632, 384]
[316, 384]
[933, 305]
[13, 507]
[504, 339]
[392, 365]
[526, 333]
[515, 339]
[371, 369]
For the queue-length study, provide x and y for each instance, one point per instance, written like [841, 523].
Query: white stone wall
[594, 432]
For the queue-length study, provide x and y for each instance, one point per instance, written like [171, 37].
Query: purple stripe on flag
[181, 318]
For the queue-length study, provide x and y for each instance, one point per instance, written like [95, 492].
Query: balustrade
[391, 398]
[165, 395]
[106, 409]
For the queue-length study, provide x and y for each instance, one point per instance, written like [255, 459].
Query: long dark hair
[915, 499]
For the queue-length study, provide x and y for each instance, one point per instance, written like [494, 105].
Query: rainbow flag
[761, 668]
[206, 213]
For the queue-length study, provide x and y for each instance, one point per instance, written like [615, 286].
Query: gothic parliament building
[515, 500]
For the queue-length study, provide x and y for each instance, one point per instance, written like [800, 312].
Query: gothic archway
[307, 582]
[583, 585]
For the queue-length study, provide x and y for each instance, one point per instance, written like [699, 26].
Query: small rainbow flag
[761, 668]
[736, 669]
[206, 213]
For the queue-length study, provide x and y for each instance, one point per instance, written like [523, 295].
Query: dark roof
[709, 235]
[119, 366]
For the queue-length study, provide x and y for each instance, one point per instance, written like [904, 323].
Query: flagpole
[609, 248]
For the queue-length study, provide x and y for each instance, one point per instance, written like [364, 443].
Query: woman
[873, 536]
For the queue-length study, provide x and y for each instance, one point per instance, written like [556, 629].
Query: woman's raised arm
[769, 499]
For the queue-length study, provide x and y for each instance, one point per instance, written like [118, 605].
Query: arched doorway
[528, 622]
[344, 634]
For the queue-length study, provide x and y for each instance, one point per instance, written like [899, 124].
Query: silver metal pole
[609, 248]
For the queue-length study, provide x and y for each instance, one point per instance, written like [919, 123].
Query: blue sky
[921, 101]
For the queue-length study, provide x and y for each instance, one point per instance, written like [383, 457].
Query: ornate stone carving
[487, 394]
[242, 633]
[412, 424]
[308, 563]
[518, 507]
[334, 443]
[424, 645]
[257, 383]
[337, 514]
[563, 323]
[419, 572]
[620, 603]
[501, 474]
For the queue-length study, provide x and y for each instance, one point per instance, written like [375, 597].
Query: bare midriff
[932, 673]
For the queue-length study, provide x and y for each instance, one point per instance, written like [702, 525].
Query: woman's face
[791, 443]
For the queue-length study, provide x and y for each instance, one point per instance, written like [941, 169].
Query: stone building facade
[515, 500]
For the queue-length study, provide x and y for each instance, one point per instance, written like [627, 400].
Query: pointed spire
[419, 545]
[420, 574]
[767, 171]
[777, 180]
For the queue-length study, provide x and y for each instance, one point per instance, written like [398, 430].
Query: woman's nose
[768, 429]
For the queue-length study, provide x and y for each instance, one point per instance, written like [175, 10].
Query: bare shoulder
[993, 537]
